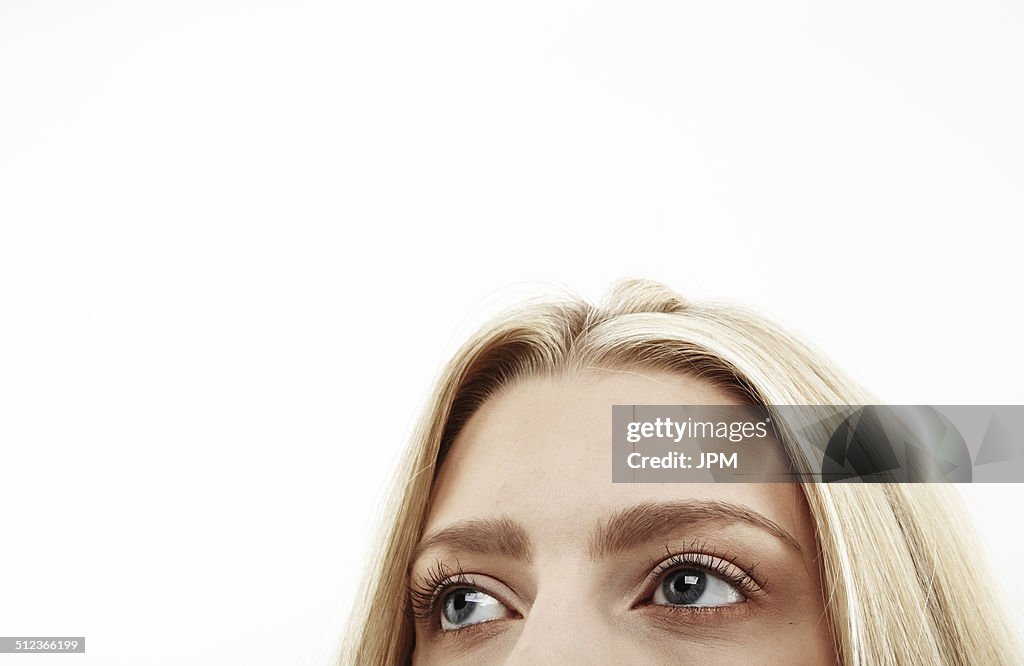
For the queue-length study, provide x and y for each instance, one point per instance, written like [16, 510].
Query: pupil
[459, 606]
[685, 586]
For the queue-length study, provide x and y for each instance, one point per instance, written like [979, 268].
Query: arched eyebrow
[490, 536]
[654, 521]
[625, 529]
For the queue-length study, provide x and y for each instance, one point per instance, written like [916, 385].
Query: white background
[239, 239]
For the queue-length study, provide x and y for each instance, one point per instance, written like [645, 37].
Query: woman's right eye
[463, 607]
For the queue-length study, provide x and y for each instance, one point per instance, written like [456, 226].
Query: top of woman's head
[642, 325]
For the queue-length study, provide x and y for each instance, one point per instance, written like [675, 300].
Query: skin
[534, 461]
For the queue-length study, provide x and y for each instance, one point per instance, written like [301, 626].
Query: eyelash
[426, 591]
[698, 555]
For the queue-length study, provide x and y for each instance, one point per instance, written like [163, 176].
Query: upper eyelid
[702, 549]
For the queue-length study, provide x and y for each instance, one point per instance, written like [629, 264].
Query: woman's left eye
[695, 587]
[463, 607]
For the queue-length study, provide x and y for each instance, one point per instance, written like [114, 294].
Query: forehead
[540, 453]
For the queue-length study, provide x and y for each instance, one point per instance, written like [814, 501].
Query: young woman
[509, 543]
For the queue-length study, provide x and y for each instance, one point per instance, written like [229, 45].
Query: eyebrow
[491, 536]
[646, 522]
[623, 530]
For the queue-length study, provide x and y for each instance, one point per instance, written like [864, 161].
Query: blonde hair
[893, 557]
